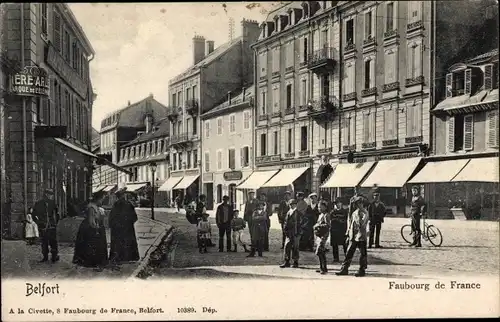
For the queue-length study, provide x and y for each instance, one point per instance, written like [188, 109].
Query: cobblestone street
[469, 248]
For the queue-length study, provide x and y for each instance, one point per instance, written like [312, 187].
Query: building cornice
[226, 111]
[65, 10]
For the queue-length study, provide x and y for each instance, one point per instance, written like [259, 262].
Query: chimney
[151, 95]
[128, 103]
[198, 49]
[250, 30]
[209, 47]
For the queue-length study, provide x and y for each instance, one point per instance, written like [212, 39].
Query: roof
[79, 28]
[237, 98]
[162, 130]
[484, 56]
[219, 51]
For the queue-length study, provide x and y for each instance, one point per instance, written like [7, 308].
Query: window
[492, 129]
[245, 156]
[195, 125]
[303, 138]
[303, 92]
[188, 160]
[490, 76]
[289, 141]
[348, 131]
[76, 58]
[232, 123]
[181, 161]
[289, 96]
[219, 160]
[263, 144]
[232, 158]
[57, 31]
[219, 126]
[414, 10]
[390, 123]
[207, 129]
[263, 103]
[390, 67]
[349, 78]
[414, 120]
[324, 37]
[304, 50]
[369, 25]
[246, 120]
[276, 59]
[188, 93]
[263, 64]
[389, 17]
[174, 99]
[369, 127]
[44, 18]
[349, 31]
[276, 142]
[369, 72]
[325, 86]
[207, 162]
[289, 54]
[276, 99]
[67, 46]
[174, 161]
[460, 132]
[414, 60]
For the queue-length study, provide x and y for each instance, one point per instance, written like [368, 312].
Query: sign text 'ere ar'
[31, 81]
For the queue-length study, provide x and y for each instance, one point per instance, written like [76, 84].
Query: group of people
[91, 245]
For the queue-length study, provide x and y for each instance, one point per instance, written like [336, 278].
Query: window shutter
[372, 126]
[493, 129]
[468, 132]
[352, 130]
[409, 121]
[367, 26]
[451, 134]
[57, 31]
[418, 60]
[468, 80]
[372, 73]
[488, 76]
[449, 85]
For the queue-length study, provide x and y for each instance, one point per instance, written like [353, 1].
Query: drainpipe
[25, 134]
[254, 108]
[341, 99]
[433, 78]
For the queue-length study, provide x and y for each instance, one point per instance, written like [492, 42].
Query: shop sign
[296, 165]
[31, 81]
[233, 175]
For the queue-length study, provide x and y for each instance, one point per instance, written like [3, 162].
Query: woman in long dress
[91, 246]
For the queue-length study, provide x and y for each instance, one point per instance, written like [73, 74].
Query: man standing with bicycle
[417, 209]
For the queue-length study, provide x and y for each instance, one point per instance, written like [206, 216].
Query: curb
[154, 246]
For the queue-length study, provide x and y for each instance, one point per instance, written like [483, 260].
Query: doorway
[219, 193]
[209, 189]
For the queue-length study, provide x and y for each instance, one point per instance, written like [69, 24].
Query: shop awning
[135, 186]
[186, 182]
[170, 184]
[257, 179]
[391, 173]
[348, 175]
[439, 171]
[479, 170]
[109, 188]
[98, 188]
[285, 177]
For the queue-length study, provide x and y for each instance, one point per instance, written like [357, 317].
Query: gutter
[254, 108]
[25, 134]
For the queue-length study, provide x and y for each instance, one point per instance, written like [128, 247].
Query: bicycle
[429, 232]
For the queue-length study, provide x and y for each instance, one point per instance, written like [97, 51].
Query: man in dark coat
[338, 229]
[282, 211]
[259, 229]
[295, 225]
[268, 212]
[418, 208]
[122, 218]
[352, 206]
[46, 216]
[312, 213]
[250, 207]
[376, 210]
[223, 217]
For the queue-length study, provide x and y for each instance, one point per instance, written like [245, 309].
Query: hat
[49, 191]
[337, 200]
[251, 191]
[288, 192]
[293, 201]
[357, 199]
[205, 214]
[314, 194]
[300, 194]
[415, 187]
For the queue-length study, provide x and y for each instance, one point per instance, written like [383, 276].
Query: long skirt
[124, 246]
[91, 247]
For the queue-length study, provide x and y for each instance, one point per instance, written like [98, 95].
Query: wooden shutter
[372, 73]
[57, 31]
[492, 129]
[468, 81]
[352, 130]
[373, 129]
[468, 132]
[449, 85]
[418, 60]
[410, 119]
[451, 134]
[488, 76]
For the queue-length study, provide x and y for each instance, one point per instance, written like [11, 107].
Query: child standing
[31, 229]
[238, 225]
[321, 230]
[204, 233]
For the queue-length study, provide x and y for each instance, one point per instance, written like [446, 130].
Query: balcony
[389, 143]
[289, 155]
[289, 111]
[325, 151]
[263, 117]
[304, 153]
[413, 139]
[369, 42]
[181, 140]
[369, 91]
[275, 74]
[303, 108]
[289, 69]
[172, 113]
[322, 61]
[347, 148]
[390, 34]
[349, 97]
[414, 26]
[390, 87]
[414, 81]
[276, 114]
[369, 145]
[267, 159]
[192, 106]
[349, 48]
[322, 109]
[303, 64]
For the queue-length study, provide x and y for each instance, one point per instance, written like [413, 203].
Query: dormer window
[270, 28]
[283, 22]
[123, 154]
[277, 24]
[491, 76]
[297, 15]
[466, 80]
[305, 9]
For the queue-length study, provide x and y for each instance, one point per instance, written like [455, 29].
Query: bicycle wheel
[434, 235]
[407, 233]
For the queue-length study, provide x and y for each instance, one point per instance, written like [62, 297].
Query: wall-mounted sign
[233, 175]
[31, 81]
[67, 73]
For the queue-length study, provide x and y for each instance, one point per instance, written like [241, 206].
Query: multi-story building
[227, 147]
[215, 72]
[137, 156]
[45, 42]
[121, 127]
[394, 58]
[466, 130]
[297, 88]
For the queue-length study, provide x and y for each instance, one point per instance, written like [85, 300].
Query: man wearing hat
[352, 206]
[223, 217]
[294, 226]
[46, 216]
[250, 206]
[312, 213]
[417, 209]
[377, 214]
[282, 211]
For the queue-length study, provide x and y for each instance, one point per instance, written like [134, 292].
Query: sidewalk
[147, 232]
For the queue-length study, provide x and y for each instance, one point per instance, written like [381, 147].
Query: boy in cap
[46, 216]
[357, 231]
[238, 225]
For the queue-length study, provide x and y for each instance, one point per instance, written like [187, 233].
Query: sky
[141, 46]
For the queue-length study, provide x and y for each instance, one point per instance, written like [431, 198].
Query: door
[219, 193]
[232, 195]
[209, 188]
